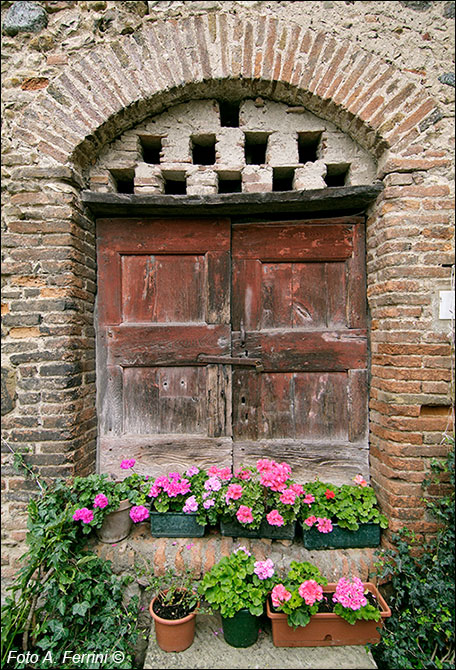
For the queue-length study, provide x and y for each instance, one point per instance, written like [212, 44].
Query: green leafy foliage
[351, 505]
[63, 596]
[173, 588]
[420, 632]
[232, 585]
[297, 611]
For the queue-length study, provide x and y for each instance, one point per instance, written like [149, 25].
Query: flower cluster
[350, 594]
[299, 593]
[83, 514]
[139, 513]
[263, 493]
[348, 506]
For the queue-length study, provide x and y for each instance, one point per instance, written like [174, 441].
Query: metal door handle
[230, 360]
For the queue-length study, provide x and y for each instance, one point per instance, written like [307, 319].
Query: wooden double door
[221, 343]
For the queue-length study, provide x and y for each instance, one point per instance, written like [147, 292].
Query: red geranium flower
[329, 494]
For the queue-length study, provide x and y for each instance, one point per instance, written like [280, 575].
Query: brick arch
[114, 87]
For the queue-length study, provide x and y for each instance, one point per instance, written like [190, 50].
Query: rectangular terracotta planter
[367, 535]
[236, 529]
[326, 629]
[175, 524]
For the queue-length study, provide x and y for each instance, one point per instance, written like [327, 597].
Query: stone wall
[79, 74]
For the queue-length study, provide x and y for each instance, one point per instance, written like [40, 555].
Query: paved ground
[210, 651]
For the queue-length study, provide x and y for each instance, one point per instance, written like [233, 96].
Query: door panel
[164, 298]
[299, 309]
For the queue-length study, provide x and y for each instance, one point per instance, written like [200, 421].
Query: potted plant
[340, 516]
[173, 607]
[306, 611]
[107, 506]
[237, 586]
[261, 502]
[177, 507]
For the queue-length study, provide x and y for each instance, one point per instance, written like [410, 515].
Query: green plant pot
[242, 629]
[367, 535]
[236, 529]
[175, 524]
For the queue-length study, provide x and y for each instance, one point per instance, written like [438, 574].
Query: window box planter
[367, 535]
[175, 524]
[236, 529]
[326, 629]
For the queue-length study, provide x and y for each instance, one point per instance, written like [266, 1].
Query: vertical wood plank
[246, 304]
[139, 288]
[320, 405]
[218, 287]
[358, 405]
[111, 416]
[356, 287]
[219, 398]
[309, 295]
[246, 404]
[336, 295]
[276, 292]
[141, 401]
[109, 298]
[277, 418]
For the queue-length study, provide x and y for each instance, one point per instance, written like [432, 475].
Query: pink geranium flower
[83, 514]
[279, 595]
[349, 594]
[244, 514]
[127, 463]
[311, 591]
[191, 505]
[324, 525]
[308, 499]
[234, 492]
[264, 569]
[288, 497]
[359, 479]
[310, 521]
[274, 518]
[139, 513]
[100, 501]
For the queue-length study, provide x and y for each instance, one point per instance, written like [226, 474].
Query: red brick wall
[56, 132]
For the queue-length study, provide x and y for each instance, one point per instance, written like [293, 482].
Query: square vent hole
[255, 148]
[229, 182]
[175, 183]
[229, 114]
[124, 180]
[151, 147]
[308, 144]
[203, 149]
[282, 179]
[337, 174]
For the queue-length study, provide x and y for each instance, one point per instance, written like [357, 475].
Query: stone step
[200, 554]
[209, 650]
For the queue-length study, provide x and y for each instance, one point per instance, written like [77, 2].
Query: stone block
[257, 179]
[282, 149]
[309, 177]
[229, 147]
[201, 181]
[25, 17]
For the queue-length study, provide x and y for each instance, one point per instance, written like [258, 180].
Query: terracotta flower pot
[173, 634]
[326, 629]
[117, 524]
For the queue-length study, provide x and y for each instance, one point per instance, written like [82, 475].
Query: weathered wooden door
[163, 300]
[220, 344]
[299, 307]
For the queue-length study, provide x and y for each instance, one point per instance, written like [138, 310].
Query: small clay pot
[117, 524]
[173, 634]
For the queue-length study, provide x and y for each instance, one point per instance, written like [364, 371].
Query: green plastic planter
[175, 524]
[242, 629]
[236, 529]
[367, 535]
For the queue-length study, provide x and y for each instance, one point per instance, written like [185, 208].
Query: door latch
[230, 360]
